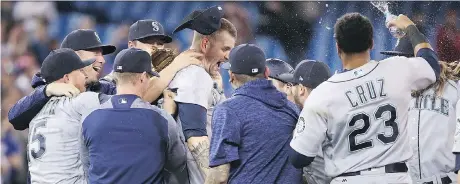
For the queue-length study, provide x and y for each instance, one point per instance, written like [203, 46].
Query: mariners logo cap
[60, 62]
[147, 28]
[246, 59]
[133, 60]
[85, 39]
[205, 22]
[279, 67]
[309, 73]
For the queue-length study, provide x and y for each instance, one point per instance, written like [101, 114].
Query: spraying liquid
[383, 7]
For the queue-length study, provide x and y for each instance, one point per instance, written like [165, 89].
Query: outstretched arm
[158, 84]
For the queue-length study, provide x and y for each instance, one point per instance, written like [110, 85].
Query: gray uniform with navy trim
[432, 121]
[54, 140]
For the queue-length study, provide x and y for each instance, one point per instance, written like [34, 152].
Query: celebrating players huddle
[158, 121]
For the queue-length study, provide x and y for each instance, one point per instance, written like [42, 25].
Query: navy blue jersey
[129, 141]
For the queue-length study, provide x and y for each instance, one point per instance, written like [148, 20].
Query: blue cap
[86, 39]
[147, 28]
[309, 73]
[247, 59]
[278, 67]
[205, 22]
[60, 62]
[133, 60]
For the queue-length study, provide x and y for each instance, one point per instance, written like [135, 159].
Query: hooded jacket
[252, 131]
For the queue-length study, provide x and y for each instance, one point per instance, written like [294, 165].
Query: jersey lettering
[365, 93]
[433, 103]
[38, 137]
[390, 122]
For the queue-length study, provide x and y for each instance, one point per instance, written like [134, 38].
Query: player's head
[64, 65]
[132, 70]
[213, 36]
[146, 34]
[353, 34]
[277, 68]
[308, 74]
[87, 44]
[246, 63]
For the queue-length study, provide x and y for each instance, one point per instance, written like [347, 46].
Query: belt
[445, 180]
[390, 168]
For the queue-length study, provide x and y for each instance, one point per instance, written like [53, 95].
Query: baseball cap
[278, 67]
[147, 28]
[246, 59]
[403, 48]
[309, 73]
[133, 60]
[60, 62]
[205, 22]
[85, 39]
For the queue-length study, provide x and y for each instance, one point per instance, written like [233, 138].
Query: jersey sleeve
[193, 86]
[456, 148]
[84, 103]
[420, 73]
[310, 131]
[226, 137]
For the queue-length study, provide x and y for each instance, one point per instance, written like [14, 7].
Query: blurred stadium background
[291, 31]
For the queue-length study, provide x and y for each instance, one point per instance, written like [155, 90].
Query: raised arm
[158, 84]
[419, 42]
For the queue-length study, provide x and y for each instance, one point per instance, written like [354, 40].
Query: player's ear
[267, 72]
[204, 45]
[131, 44]
[66, 78]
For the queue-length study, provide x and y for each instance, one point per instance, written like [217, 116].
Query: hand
[187, 58]
[169, 105]
[61, 89]
[401, 22]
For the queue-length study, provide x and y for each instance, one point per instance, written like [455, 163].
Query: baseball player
[87, 44]
[358, 117]
[308, 74]
[214, 37]
[277, 68]
[433, 161]
[53, 148]
[253, 128]
[127, 139]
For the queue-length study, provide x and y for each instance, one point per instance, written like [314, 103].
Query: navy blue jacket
[127, 140]
[27, 107]
[251, 132]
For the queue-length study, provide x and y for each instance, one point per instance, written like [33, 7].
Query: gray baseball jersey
[456, 148]
[315, 172]
[194, 85]
[431, 116]
[217, 96]
[359, 117]
[54, 145]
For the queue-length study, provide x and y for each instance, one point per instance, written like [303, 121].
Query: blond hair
[225, 26]
[449, 71]
[126, 78]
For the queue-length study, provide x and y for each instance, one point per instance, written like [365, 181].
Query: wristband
[415, 36]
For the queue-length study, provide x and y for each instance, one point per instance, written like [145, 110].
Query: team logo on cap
[97, 37]
[255, 70]
[155, 26]
[219, 8]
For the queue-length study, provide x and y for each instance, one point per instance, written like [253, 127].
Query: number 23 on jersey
[372, 120]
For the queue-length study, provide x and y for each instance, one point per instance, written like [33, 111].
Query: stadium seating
[322, 45]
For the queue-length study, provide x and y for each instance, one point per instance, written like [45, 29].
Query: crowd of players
[300, 125]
